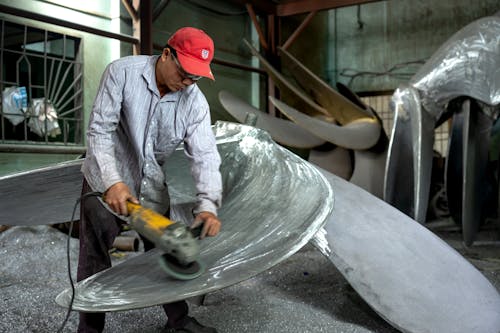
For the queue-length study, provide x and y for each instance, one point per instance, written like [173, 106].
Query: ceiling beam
[294, 7]
[305, 6]
[130, 9]
[297, 31]
[256, 24]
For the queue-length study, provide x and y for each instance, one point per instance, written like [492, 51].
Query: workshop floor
[305, 293]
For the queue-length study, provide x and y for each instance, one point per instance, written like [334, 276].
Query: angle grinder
[175, 239]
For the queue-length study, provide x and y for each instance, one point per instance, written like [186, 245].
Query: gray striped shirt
[132, 131]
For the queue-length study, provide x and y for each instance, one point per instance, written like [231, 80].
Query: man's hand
[211, 224]
[117, 195]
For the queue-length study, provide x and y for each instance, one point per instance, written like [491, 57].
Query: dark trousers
[98, 229]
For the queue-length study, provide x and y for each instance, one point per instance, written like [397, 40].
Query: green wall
[384, 34]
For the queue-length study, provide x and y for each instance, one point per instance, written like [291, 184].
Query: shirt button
[142, 198]
[147, 165]
[145, 182]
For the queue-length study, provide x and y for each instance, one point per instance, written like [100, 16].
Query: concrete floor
[305, 293]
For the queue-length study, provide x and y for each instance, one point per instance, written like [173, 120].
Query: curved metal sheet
[42, 196]
[292, 94]
[409, 166]
[454, 167]
[359, 134]
[477, 129]
[274, 202]
[369, 168]
[409, 276]
[282, 131]
[467, 64]
[337, 160]
[338, 106]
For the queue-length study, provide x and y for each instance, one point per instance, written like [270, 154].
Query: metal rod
[34, 55]
[297, 31]
[256, 24]
[61, 83]
[55, 78]
[146, 23]
[49, 78]
[71, 110]
[75, 81]
[72, 98]
[41, 148]
[130, 9]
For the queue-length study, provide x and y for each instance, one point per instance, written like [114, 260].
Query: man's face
[171, 74]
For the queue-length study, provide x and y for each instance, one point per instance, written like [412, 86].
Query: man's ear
[165, 53]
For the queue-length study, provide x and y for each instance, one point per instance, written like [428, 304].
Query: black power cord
[70, 307]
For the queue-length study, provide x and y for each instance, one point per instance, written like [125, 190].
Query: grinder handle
[150, 218]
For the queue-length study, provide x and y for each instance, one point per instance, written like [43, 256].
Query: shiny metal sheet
[454, 167]
[274, 202]
[409, 165]
[360, 134]
[282, 131]
[289, 92]
[338, 106]
[42, 196]
[467, 64]
[476, 139]
[409, 276]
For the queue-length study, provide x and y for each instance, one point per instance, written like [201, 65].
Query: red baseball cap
[195, 50]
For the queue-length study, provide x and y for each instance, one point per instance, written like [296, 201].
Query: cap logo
[204, 53]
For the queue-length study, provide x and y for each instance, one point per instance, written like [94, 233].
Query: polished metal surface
[409, 161]
[274, 202]
[409, 276]
[476, 139]
[282, 131]
[467, 64]
[359, 134]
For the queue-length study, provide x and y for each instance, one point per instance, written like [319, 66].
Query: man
[145, 107]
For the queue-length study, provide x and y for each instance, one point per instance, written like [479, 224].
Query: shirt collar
[149, 76]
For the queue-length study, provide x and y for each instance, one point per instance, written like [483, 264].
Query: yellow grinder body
[174, 238]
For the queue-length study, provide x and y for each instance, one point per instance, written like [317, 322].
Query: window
[42, 86]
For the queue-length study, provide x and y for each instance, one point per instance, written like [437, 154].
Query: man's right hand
[117, 195]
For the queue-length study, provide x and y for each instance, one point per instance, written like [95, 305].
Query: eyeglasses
[183, 73]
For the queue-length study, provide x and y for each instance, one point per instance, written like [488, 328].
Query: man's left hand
[210, 222]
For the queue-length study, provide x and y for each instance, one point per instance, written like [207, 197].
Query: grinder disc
[180, 271]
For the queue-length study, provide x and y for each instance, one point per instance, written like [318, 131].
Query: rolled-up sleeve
[201, 149]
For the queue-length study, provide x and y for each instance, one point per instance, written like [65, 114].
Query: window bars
[41, 82]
